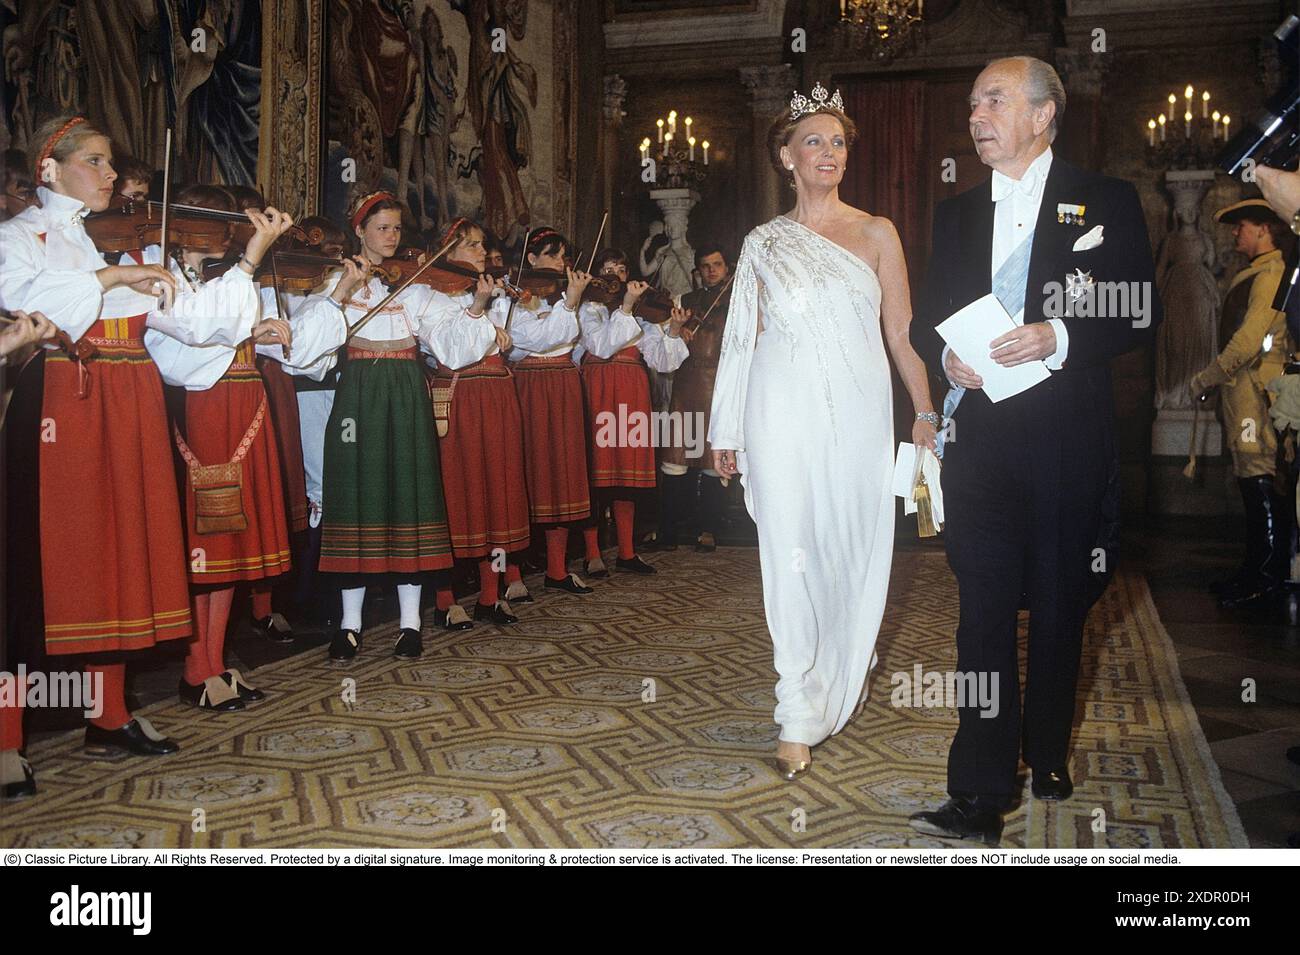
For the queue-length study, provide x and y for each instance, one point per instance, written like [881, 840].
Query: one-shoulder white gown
[809, 407]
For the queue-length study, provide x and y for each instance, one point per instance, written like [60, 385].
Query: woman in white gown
[803, 411]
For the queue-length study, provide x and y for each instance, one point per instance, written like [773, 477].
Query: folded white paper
[969, 331]
[905, 475]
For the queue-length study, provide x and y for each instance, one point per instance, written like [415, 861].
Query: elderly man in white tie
[1026, 479]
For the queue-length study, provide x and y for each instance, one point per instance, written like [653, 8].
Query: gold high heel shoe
[792, 768]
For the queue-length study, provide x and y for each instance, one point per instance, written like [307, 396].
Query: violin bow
[716, 299]
[519, 277]
[599, 235]
[352, 331]
[166, 200]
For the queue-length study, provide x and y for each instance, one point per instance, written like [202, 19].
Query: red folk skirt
[611, 383]
[555, 439]
[112, 551]
[483, 472]
[282, 399]
[217, 421]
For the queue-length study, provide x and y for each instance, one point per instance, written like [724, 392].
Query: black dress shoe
[247, 693]
[498, 613]
[634, 564]
[409, 646]
[519, 598]
[214, 694]
[1055, 785]
[131, 738]
[600, 571]
[274, 628]
[461, 620]
[960, 819]
[344, 646]
[706, 544]
[22, 788]
[570, 584]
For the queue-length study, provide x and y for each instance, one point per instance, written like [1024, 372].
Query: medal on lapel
[1077, 284]
[1068, 213]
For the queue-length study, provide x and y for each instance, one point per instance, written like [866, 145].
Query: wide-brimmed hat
[1256, 210]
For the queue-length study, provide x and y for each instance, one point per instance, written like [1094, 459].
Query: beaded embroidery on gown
[809, 409]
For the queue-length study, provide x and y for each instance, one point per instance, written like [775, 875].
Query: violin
[452, 278]
[308, 270]
[131, 225]
[654, 305]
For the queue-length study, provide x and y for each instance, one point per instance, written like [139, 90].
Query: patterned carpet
[544, 736]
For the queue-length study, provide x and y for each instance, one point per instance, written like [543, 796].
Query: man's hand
[724, 462]
[1032, 341]
[1281, 190]
[25, 330]
[961, 373]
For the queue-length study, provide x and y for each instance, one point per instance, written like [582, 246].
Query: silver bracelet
[933, 417]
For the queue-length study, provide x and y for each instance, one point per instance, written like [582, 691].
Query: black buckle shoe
[247, 692]
[706, 544]
[453, 619]
[1054, 786]
[518, 593]
[274, 628]
[595, 568]
[133, 738]
[344, 646]
[409, 646]
[960, 819]
[635, 564]
[214, 694]
[571, 584]
[499, 613]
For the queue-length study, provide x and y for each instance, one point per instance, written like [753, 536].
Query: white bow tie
[1004, 186]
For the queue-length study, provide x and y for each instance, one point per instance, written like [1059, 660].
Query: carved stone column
[1082, 73]
[770, 89]
[615, 97]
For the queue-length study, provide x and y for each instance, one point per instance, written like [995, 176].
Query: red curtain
[884, 175]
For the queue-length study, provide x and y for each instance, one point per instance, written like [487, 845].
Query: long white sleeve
[194, 367]
[552, 329]
[220, 312]
[661, 352]
[605, 334]
[71, 298]
[731, 388]
[318, 328]
[453, 336]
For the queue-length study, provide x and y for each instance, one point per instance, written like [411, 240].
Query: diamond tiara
[801, 105]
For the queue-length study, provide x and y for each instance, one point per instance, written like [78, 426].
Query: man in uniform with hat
[1254, 356]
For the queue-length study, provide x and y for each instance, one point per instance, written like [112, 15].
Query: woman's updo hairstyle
[782, 131]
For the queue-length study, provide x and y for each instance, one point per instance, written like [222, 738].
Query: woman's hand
[573, 292]
[724, 462]
[679, 318]
[273, 331]
[504, 341]
[483, 291]
[634, 291]
[924, 434]
[268, 225]
[145, 279]
[26, 330]
[355, 271]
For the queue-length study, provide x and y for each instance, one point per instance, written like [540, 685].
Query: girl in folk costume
[112, 551]
[550, 397]
[234, 503]
[616, 350]
[383, 511]
[480, 429]
[282, 406]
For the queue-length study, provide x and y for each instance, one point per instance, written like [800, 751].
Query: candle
[660, 124]
[1187, 93]
[1205, 104]
[668, 142]
[1151, 132]
[843, 11]
[691, 140]
[1215, 130]
[1172, 100]
[1187, 125]
[1226, 120]
[688, 125]
[705, 144]
[1161, 121]
[672, 121]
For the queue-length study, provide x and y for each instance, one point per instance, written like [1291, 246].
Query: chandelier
[1180, 139]
[880, 29]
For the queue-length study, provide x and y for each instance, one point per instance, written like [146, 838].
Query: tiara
[801, 105]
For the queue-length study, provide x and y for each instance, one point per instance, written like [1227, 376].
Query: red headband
[53, 141]
[451, 229]
[369, 203]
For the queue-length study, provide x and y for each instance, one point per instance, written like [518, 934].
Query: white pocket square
[1089, 240]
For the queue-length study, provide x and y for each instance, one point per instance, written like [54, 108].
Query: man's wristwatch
[933, 417]
[1295, 222]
